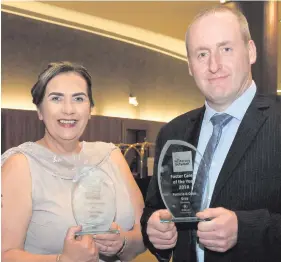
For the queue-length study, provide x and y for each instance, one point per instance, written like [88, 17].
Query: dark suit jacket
[249, 184]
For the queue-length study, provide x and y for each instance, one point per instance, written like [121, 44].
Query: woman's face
[65, 109]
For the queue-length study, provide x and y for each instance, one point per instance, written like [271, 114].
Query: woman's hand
[110, 244]
[79, 249]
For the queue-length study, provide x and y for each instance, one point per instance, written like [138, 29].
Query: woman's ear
[90, 113]
[40, 116]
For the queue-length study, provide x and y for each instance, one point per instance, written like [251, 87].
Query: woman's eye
[79, 99]
[55, 98]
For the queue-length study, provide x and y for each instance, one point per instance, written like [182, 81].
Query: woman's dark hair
[54, 69]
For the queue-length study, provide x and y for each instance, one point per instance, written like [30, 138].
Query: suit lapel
[192, 131]
[247, 131]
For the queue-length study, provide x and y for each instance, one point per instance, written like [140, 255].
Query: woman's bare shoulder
[15, 165]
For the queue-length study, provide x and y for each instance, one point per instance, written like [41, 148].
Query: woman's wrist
[62, 258]
[58, 258]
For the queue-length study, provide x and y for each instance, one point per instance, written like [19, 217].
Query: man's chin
[221, 102]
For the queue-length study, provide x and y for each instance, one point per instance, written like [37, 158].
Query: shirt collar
[238, 108]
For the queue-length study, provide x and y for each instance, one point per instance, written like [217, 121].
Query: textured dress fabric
[52, 183]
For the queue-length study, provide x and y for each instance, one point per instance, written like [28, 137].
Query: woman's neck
[64, 147]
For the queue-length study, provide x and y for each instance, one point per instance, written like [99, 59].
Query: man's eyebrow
[223, 43]
[201, 48]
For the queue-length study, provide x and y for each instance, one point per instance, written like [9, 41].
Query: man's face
[219, 59]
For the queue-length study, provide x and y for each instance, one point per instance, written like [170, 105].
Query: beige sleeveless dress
[52, 181]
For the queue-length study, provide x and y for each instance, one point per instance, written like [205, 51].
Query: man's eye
[202, 55]
[227, 49]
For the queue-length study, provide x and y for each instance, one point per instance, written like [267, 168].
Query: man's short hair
[243, 23]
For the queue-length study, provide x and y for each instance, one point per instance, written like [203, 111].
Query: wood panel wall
[19, 126]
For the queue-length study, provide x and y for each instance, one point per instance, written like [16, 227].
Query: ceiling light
[133, 100]
[225, 1]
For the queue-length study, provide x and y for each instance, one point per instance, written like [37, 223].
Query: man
[245, 171]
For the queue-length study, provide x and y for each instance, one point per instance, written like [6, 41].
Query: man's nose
[214, 63]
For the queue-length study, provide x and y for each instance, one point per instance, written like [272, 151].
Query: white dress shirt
[237, 110]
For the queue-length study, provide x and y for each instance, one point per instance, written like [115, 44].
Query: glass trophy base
[184, 220]
[97, 232]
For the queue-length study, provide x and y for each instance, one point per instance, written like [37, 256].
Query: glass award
[177, 167]
[93, 201]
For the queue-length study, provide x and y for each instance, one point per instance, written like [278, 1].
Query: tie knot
[220, 119]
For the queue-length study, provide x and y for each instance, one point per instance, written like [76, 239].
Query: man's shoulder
[188, 116]
[269, 104]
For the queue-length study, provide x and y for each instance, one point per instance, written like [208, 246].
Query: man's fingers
[213, 243]
[162, 229]
[211, 213]
[218, 246]
[165, 215]
[164, 240]
[206, 235]
[207, 226]
[162, 235]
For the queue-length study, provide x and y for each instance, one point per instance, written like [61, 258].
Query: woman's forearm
[134, 245]
[18, 255]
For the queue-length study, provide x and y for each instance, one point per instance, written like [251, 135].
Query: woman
[37, 181]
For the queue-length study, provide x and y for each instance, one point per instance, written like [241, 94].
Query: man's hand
[219, 234]
[162, 235]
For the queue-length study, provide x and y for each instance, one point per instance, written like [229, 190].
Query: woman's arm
[16, 215]
[134, 245]
[17, 211]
